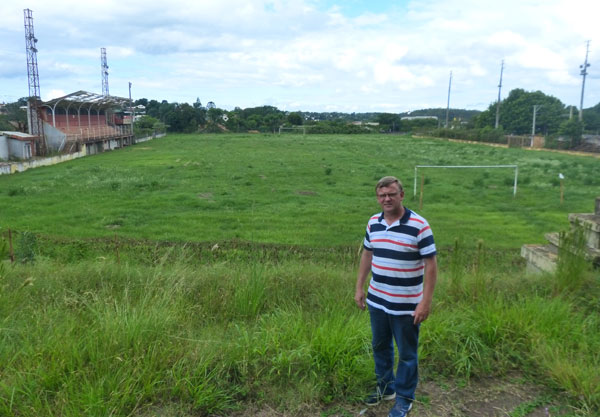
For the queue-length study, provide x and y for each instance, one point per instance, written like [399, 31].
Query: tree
[152, 109]
[215, 114]
[272, 121]
[389, 122]
[591, 119]
[142, 101]
[182, 118]
[295, 119]
[146, 122]
[165, 109]
[17, 115]
[571, 129]
[516, 113]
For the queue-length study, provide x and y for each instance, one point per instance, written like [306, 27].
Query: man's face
[390, 198]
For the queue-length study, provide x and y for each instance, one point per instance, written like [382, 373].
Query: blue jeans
[386, 328]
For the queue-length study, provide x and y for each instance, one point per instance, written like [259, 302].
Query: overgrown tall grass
[98, 338]
[491, 322]
[101, 338]
[315, 191]
[196, 274]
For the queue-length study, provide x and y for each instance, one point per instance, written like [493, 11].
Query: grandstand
[86, 121]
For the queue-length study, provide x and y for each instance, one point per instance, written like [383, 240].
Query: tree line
[554, 120]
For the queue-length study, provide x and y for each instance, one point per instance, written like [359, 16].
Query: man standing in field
[400, 253]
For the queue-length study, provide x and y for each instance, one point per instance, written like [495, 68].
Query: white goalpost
[516, 168]
[293, 129]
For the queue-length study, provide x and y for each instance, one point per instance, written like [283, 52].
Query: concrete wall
[94, 148]
[146, 139]
[19, 149]
[4, 155]
[12, 167]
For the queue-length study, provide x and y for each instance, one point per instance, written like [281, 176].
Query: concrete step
[554, 240]
[591, 254]
[591, 226]
[540, 258]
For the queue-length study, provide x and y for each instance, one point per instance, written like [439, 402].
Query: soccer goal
[515, 167]
[293, 129]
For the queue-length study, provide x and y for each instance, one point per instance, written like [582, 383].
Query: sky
[309, 55]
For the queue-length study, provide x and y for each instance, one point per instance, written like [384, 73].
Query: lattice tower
[104, 66]
[36, 125]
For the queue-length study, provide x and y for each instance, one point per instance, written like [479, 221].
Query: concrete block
[540, 258]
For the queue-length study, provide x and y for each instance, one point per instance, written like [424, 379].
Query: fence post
[562, 191]
[10, 247]
[117, 249]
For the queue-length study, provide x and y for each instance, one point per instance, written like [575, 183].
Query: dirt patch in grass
[305, 192]
[489, 397]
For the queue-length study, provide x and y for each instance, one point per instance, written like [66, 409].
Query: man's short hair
[387, 181]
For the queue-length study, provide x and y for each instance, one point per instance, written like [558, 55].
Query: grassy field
[314, 191]
[200, 275]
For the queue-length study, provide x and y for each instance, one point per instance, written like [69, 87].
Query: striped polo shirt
[398, 264]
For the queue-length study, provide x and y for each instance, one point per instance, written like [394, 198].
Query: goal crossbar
[293, 128]
[516, 168]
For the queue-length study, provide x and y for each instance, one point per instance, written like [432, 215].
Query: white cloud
[298, 51]
[52, 94]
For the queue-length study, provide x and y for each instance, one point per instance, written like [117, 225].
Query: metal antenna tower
[584, 68]
[104, 65]
[498, 102]
[36, 125]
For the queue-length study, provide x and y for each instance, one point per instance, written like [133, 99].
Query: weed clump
[572, 267]
[26, 247]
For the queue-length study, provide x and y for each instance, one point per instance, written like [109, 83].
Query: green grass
[100, 338]
[195, 275]
[316, 190]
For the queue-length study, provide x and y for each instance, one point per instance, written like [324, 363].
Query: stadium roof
[85, 97]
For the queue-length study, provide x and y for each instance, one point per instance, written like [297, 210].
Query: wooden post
[117, 249]
[10, 247]
[562, 191]
[421, 194]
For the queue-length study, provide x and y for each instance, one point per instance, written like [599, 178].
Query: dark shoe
[400, 410]
[376, 397]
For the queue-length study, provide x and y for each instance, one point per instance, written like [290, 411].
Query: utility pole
[448, 105]
[584, 68]
[130, 109]
[498, 102]
[536, 107]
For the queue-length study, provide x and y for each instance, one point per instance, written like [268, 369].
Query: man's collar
[404, 219]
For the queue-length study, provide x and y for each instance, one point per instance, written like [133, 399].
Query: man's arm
[424, 307]
[363, 273]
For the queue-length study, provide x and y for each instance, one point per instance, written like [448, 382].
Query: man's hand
[363, 271]
[421, 312]
[359, 298]
[424, 307]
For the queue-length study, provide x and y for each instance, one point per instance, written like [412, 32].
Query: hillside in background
[458, 114]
